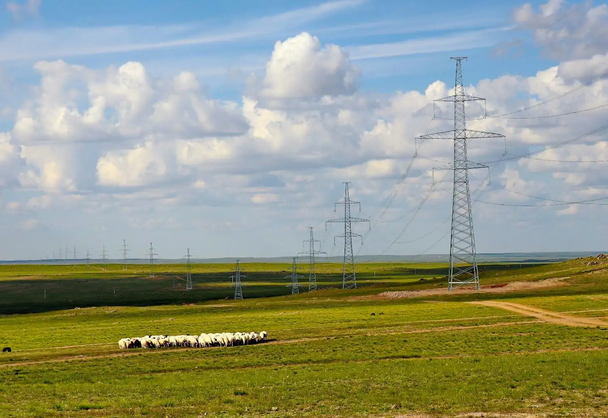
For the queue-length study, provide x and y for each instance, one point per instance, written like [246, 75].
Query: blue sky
[228, 127]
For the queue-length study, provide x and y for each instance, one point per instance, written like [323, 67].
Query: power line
[548, 147]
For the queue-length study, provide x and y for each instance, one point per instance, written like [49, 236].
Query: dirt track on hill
[547, 316]
[502, 288]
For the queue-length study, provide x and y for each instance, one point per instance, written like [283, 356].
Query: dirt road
[547, 316]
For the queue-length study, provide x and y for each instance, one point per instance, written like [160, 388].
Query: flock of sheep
[224, 339]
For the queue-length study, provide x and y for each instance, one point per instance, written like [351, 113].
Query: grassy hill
[400, 345]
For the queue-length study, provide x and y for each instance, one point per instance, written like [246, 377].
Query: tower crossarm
[462, 133]
[463, 98]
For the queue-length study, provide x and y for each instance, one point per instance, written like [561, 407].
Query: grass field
[331, 352]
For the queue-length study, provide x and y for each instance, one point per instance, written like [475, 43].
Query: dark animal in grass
[6, 350]
[373, 314]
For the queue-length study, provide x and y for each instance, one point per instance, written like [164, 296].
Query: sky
[229, 127]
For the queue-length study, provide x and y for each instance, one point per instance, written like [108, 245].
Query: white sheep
[124, 343]
[263, 335]
[191, 341]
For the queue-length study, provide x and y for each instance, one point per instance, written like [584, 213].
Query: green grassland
[331, 352]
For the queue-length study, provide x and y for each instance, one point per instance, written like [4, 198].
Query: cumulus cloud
[574, 32]
[21, 10]
[301, 68]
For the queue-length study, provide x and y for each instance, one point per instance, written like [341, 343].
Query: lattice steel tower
[151, 254]
[236, 281]
[463, 263]
[349, 277]
[188, 272]
[312, 253]
[295, 286]
[125, 250]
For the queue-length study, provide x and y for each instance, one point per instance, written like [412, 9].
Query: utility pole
[295, 287]
[151, 254]
[236, 280]
[349, 277]
[125, 250]
[188, 272]
[312, 253]
[463, 262]
[103, 257]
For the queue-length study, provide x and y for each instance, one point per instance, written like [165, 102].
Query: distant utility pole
[151, 254]
[88, 259]
[125, 250]
[349, 277]
[236, 280]
[295, 287]
[103, 257]
[312, 253]
[74, 256]
[188, 272]
[463, 263]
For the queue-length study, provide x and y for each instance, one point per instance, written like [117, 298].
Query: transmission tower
[74, 264]
[103, 257]
[463, 263]
[294, 276]
[349, 277]
[151, 254]
[88, 259]
[188, 272]
[312, 253]
[236, 280]
[125, 250]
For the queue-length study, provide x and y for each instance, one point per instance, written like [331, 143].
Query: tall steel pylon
[349, 276]
[125, 250]
[103, 257]
[294, 276]
[188, 272]
[236, 280]
[151, 254]
[463, 262]
[312, 253]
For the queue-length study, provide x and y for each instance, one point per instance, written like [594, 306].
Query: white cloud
[29, 224]
[67, 42]
[265, 198]
[300, 68]
[21, 10]
[574, 32]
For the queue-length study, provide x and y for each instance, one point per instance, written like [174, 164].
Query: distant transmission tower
[236, 281]
[125, 250]
[88, 259]
[463, 263]
[295, 287]
[151, 254]
[349, 277]
[188, 272]
[74, 256]
[104, 258]
[312, 253]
